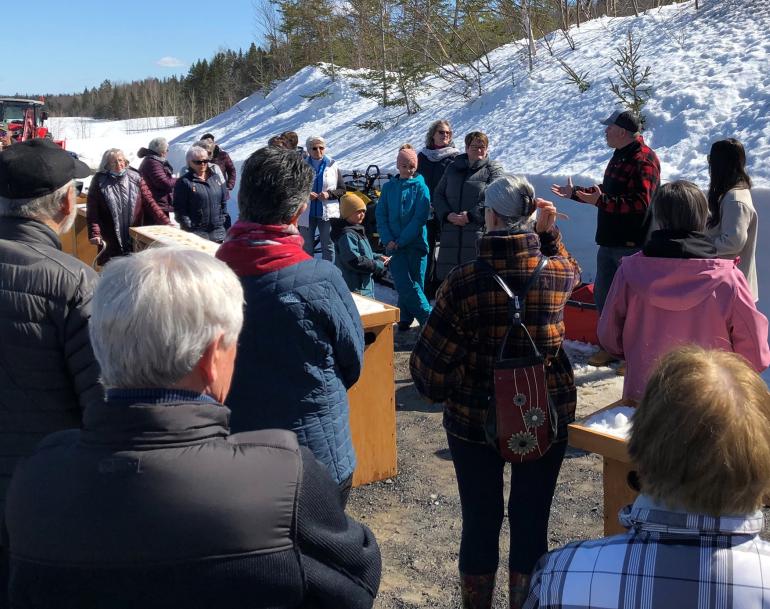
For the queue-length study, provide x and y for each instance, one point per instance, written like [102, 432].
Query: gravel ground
[416, 515]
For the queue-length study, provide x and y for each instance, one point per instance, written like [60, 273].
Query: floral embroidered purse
[521, 419]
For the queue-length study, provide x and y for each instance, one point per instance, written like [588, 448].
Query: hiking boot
[518, 589]
[601, 358]
[477, 590]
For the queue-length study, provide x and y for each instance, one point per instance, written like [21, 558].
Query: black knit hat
[626, 120]
[37, 167]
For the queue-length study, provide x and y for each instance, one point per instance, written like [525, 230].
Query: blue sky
[62, 46]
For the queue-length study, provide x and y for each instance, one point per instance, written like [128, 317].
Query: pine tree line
[396, 43]
[210, 87]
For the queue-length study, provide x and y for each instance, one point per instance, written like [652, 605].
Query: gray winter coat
[48, 372]
[461, 189]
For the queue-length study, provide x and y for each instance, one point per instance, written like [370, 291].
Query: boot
[477, 590]
[518, 589]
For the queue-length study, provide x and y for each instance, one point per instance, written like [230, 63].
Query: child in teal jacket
[402, 213]
[353, 253]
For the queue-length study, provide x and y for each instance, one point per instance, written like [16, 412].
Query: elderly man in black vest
[154, 504]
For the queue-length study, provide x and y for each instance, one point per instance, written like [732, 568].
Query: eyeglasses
[478, 147]
[444, 132]
[200, 162]
[318, 148]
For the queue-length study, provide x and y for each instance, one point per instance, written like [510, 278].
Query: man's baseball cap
[37, 167]
[627, 120]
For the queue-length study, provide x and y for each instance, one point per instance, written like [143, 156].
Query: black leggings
[479, 471]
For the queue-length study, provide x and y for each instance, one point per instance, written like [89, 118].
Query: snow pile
[613, 421]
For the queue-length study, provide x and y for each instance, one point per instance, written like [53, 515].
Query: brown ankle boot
[477, 590]
[518, 589]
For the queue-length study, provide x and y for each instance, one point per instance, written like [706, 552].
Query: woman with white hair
[324, 204]
[157, 172]
[200, 197]
[453, 363]
[118, 199]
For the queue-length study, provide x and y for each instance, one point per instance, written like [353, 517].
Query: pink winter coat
[656, 304]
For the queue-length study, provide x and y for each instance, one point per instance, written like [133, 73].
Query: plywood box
[617, 465]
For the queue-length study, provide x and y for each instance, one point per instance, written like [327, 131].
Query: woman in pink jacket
[676, 291]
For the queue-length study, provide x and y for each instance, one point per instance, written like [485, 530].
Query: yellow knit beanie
[350, 203]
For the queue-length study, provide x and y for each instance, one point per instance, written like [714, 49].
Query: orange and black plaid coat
[454, 356]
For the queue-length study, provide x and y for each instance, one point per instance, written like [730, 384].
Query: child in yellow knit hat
[353, 254]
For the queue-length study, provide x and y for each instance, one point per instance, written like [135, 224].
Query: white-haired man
[154, 504]
[48, 372]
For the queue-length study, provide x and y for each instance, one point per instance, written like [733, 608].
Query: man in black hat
[48, 372]
[622, 200]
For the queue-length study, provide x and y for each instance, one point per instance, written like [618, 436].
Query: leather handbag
[521, 419]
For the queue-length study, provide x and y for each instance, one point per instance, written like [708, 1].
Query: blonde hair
[432, 131]
[701, 434]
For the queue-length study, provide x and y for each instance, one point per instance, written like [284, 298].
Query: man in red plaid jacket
[622, 200]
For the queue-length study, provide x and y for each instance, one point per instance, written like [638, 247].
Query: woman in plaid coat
[452, 363]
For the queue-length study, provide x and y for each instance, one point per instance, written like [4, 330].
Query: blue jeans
[479, 470]
[324, 232]
[607, 263]
[407, 266]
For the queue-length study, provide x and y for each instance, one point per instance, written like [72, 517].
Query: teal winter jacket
[353, 256]
[402, 212]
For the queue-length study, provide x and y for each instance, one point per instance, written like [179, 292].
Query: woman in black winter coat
[200, 198]
[432, 161]
[457, 202]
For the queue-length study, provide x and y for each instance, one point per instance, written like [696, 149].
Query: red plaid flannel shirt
[631, 178]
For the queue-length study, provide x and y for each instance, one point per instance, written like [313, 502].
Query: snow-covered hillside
[710, 80]
[709, 74]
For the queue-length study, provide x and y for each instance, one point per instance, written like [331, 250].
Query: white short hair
[155, 313]
[159, 145]
[38, 208]
[314, 139]
[196, 152]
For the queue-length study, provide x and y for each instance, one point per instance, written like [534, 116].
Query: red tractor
[24, 119]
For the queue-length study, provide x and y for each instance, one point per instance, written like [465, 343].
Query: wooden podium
[372, 399]
[75, 242]
[617, 465]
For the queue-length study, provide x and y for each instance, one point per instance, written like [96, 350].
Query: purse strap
[517, 303]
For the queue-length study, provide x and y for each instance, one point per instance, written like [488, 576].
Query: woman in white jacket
[324, 203]
[732, 225]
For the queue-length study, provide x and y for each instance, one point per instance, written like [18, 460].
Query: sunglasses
[200, 162]
[318, 148]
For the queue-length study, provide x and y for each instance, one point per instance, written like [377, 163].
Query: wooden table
[75, 242]
[372, 399]
[617, 465]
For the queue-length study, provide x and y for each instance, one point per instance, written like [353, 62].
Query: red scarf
[256, 249]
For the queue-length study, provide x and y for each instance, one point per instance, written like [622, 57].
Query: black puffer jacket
[155, 505]
[461, 189]
[48, 373]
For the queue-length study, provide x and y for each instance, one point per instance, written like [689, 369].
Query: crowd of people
[176, 430]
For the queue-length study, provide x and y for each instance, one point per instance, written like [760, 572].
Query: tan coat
[736, 234]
